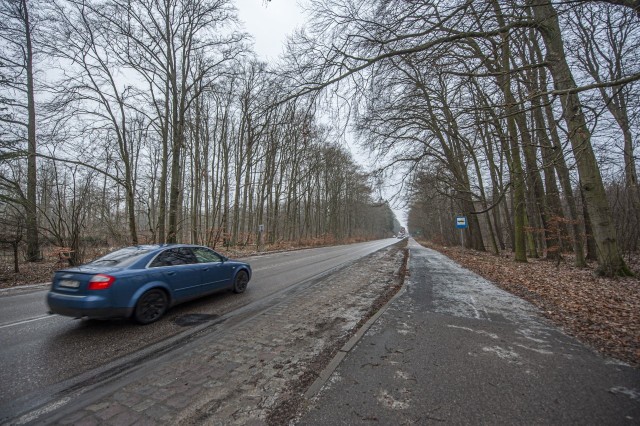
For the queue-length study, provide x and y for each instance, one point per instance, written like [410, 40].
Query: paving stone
[142, 406]
[161, 394]
[75, 418]
[112, 410]
[98, 407]
[124, 419]
[178, 401]
[157, 411]
[87, 421]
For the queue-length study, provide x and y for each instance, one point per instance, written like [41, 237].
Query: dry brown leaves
[30, 273]
[603, 312]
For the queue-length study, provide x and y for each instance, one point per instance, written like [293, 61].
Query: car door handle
[171, 273]
[205, 269]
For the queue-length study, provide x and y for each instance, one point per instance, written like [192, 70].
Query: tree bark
[516, 169]
[33, 245]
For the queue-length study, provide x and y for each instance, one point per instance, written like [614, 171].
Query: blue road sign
[461, 222]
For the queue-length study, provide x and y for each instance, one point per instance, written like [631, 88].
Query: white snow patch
[402, 375]
[404, 329]
[540, 351]
[528, 334]
[390, 402]
[613, 361]
[631, 393]
[485, 333]
[506, 354]
[335, 378]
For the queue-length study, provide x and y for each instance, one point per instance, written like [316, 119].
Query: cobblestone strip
[257, 366]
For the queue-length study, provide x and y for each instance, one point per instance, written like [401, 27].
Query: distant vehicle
[143, 282]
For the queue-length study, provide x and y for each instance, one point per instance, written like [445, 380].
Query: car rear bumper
[76, 306]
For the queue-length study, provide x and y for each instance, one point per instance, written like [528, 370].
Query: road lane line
[29, 417]
[11, 324]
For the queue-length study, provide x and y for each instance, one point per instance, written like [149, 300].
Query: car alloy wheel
[151, 306]
[240, 283]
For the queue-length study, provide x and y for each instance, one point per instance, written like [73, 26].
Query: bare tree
[609, 258]
[358, 40]
[12, 231]
[93, 87]
[17, 101]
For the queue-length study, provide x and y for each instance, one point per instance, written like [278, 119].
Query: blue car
[142, 282]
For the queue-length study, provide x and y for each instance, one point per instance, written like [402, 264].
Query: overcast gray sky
[270, 23]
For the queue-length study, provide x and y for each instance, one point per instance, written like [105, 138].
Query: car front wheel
[240, 283]
[151, 306]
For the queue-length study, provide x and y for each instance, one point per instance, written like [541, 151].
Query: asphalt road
[39, 350]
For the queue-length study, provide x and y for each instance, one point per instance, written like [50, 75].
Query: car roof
[164, 246]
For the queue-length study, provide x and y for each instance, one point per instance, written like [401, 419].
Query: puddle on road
[189, 320]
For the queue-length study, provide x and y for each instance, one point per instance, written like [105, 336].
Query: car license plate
[69, 283]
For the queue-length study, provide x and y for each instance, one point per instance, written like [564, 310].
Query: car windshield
[122, 257]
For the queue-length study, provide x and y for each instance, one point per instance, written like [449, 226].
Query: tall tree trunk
[196, 173]
[515, 163]
[164, 174]
[176, 174]
[33, 245]
[517, 172]
[610, 261]
[560, 165]
[592, 249]
[555, 216]
[126, 153]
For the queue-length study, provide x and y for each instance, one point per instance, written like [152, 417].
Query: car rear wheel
[151, 306]
[240, 283]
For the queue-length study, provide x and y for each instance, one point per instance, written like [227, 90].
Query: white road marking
[11, 324]
[27, 418]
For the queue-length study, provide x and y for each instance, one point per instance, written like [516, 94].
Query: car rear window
[122, 257]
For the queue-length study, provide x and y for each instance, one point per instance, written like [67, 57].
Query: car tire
[151, 306]
[240, 282]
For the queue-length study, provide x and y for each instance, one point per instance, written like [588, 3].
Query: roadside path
[455, 349]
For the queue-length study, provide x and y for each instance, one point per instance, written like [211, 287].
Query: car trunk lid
[76, 280]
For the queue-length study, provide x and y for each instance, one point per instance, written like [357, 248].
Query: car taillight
[101, 282]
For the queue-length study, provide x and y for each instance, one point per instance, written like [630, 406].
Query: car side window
[204, 255]
[173, 257]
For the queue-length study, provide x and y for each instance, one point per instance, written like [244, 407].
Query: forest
[136, 121]
[132, 122]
